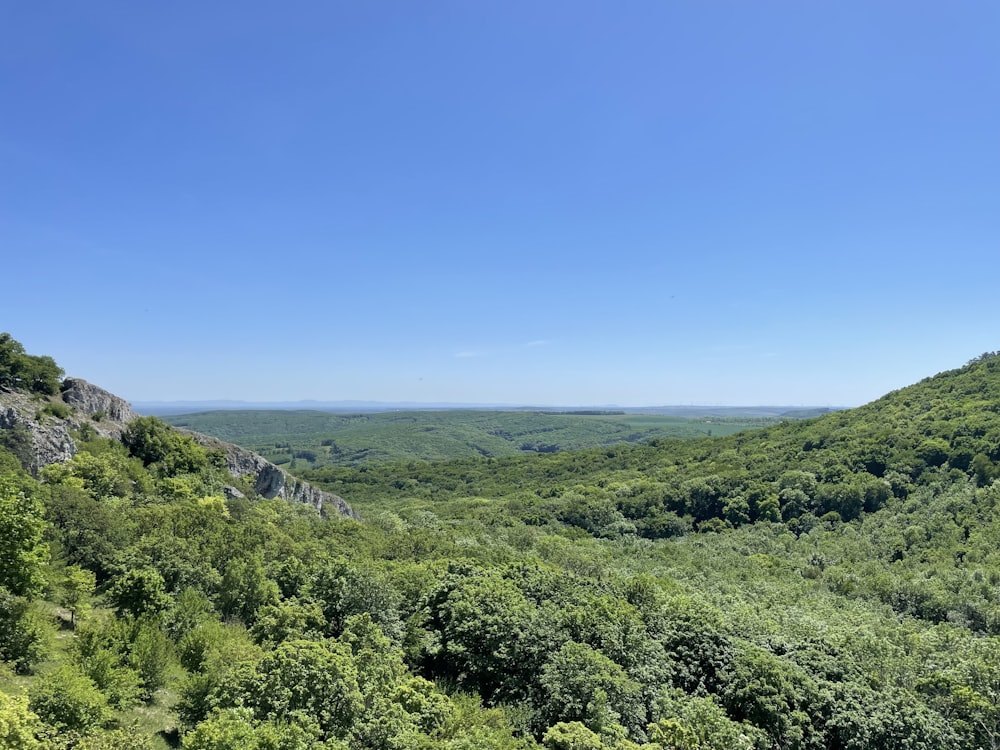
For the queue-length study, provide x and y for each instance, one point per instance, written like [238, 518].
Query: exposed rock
[51, 436]
[270, 481]
[96, 402]
[50, 439]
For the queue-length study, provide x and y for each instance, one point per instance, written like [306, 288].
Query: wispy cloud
[538, 342]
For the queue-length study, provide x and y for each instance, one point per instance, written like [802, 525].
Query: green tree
[139, 592]
[23, 553]
[344, 590]
[74, 594]
[583, 685]
[236, 729]
[155, 442]
[480, 624]
[226, 661]
[11, 352]
[87, 532]
[41, 375]
[24, 633]
[769, 509]
[150, 654]
[24, 371]
[245, 589]
[316, 679]
[736, 510]
[983, 470]
[776, 696]
[699, 723]
[572, 735]
[288, 620]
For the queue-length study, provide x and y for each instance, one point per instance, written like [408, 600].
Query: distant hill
[943, 429]
[310, 439]
[164, 408]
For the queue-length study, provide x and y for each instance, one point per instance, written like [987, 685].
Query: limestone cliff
[271, 481]
[96, 402]
[49, 422]
[42, 440]
[46, 427]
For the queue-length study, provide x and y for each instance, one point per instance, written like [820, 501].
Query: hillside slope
[944, 428]
[310, 439]
[514, 604]
[44, 429]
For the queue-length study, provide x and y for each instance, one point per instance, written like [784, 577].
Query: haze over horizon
[157, 408]
[558, 203]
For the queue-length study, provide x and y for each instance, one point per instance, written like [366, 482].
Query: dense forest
[314, 439]
[831, 584]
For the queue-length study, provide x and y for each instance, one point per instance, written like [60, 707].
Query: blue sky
[633, 203]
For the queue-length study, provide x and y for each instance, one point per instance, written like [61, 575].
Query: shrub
[69, 701]
[55, 409]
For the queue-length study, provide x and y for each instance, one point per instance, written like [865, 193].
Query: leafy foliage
[19, 725]
[22, 552]
[68, 701]
[22, 371]
[824, 584]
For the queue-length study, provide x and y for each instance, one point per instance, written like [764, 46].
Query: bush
[19, 726]
[115, 739]
[55, 409]
[69, 701]
[24, 635]
[150, 655]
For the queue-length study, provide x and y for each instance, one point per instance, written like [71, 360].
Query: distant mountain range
[162, 408]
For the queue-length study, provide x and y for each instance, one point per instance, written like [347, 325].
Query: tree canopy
[19, 370]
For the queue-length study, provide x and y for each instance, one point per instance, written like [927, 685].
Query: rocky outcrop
[43, 436]
[36, 438]
[49, 423]
[96, 402]
[270, 481]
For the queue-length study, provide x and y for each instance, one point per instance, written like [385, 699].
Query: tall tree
[23, 553]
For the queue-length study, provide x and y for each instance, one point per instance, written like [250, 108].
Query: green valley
[310, 439]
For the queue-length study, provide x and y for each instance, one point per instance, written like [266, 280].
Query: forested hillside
[312, 439]
[943, 429]
[830, 584]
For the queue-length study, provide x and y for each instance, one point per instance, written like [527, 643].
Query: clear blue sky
[567, 202]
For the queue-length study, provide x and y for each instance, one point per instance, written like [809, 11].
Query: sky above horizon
[558, 203]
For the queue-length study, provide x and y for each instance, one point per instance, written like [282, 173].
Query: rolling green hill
[315, 438]
[945, 428]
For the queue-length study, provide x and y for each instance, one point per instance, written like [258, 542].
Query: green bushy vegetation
[834, 467]
[19, 370]
[313, 439]
[674, 595]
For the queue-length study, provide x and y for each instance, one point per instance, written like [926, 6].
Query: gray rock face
[94, 401]
[270, 481]
[50, 439]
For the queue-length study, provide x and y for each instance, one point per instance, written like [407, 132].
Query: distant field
[309, 439]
